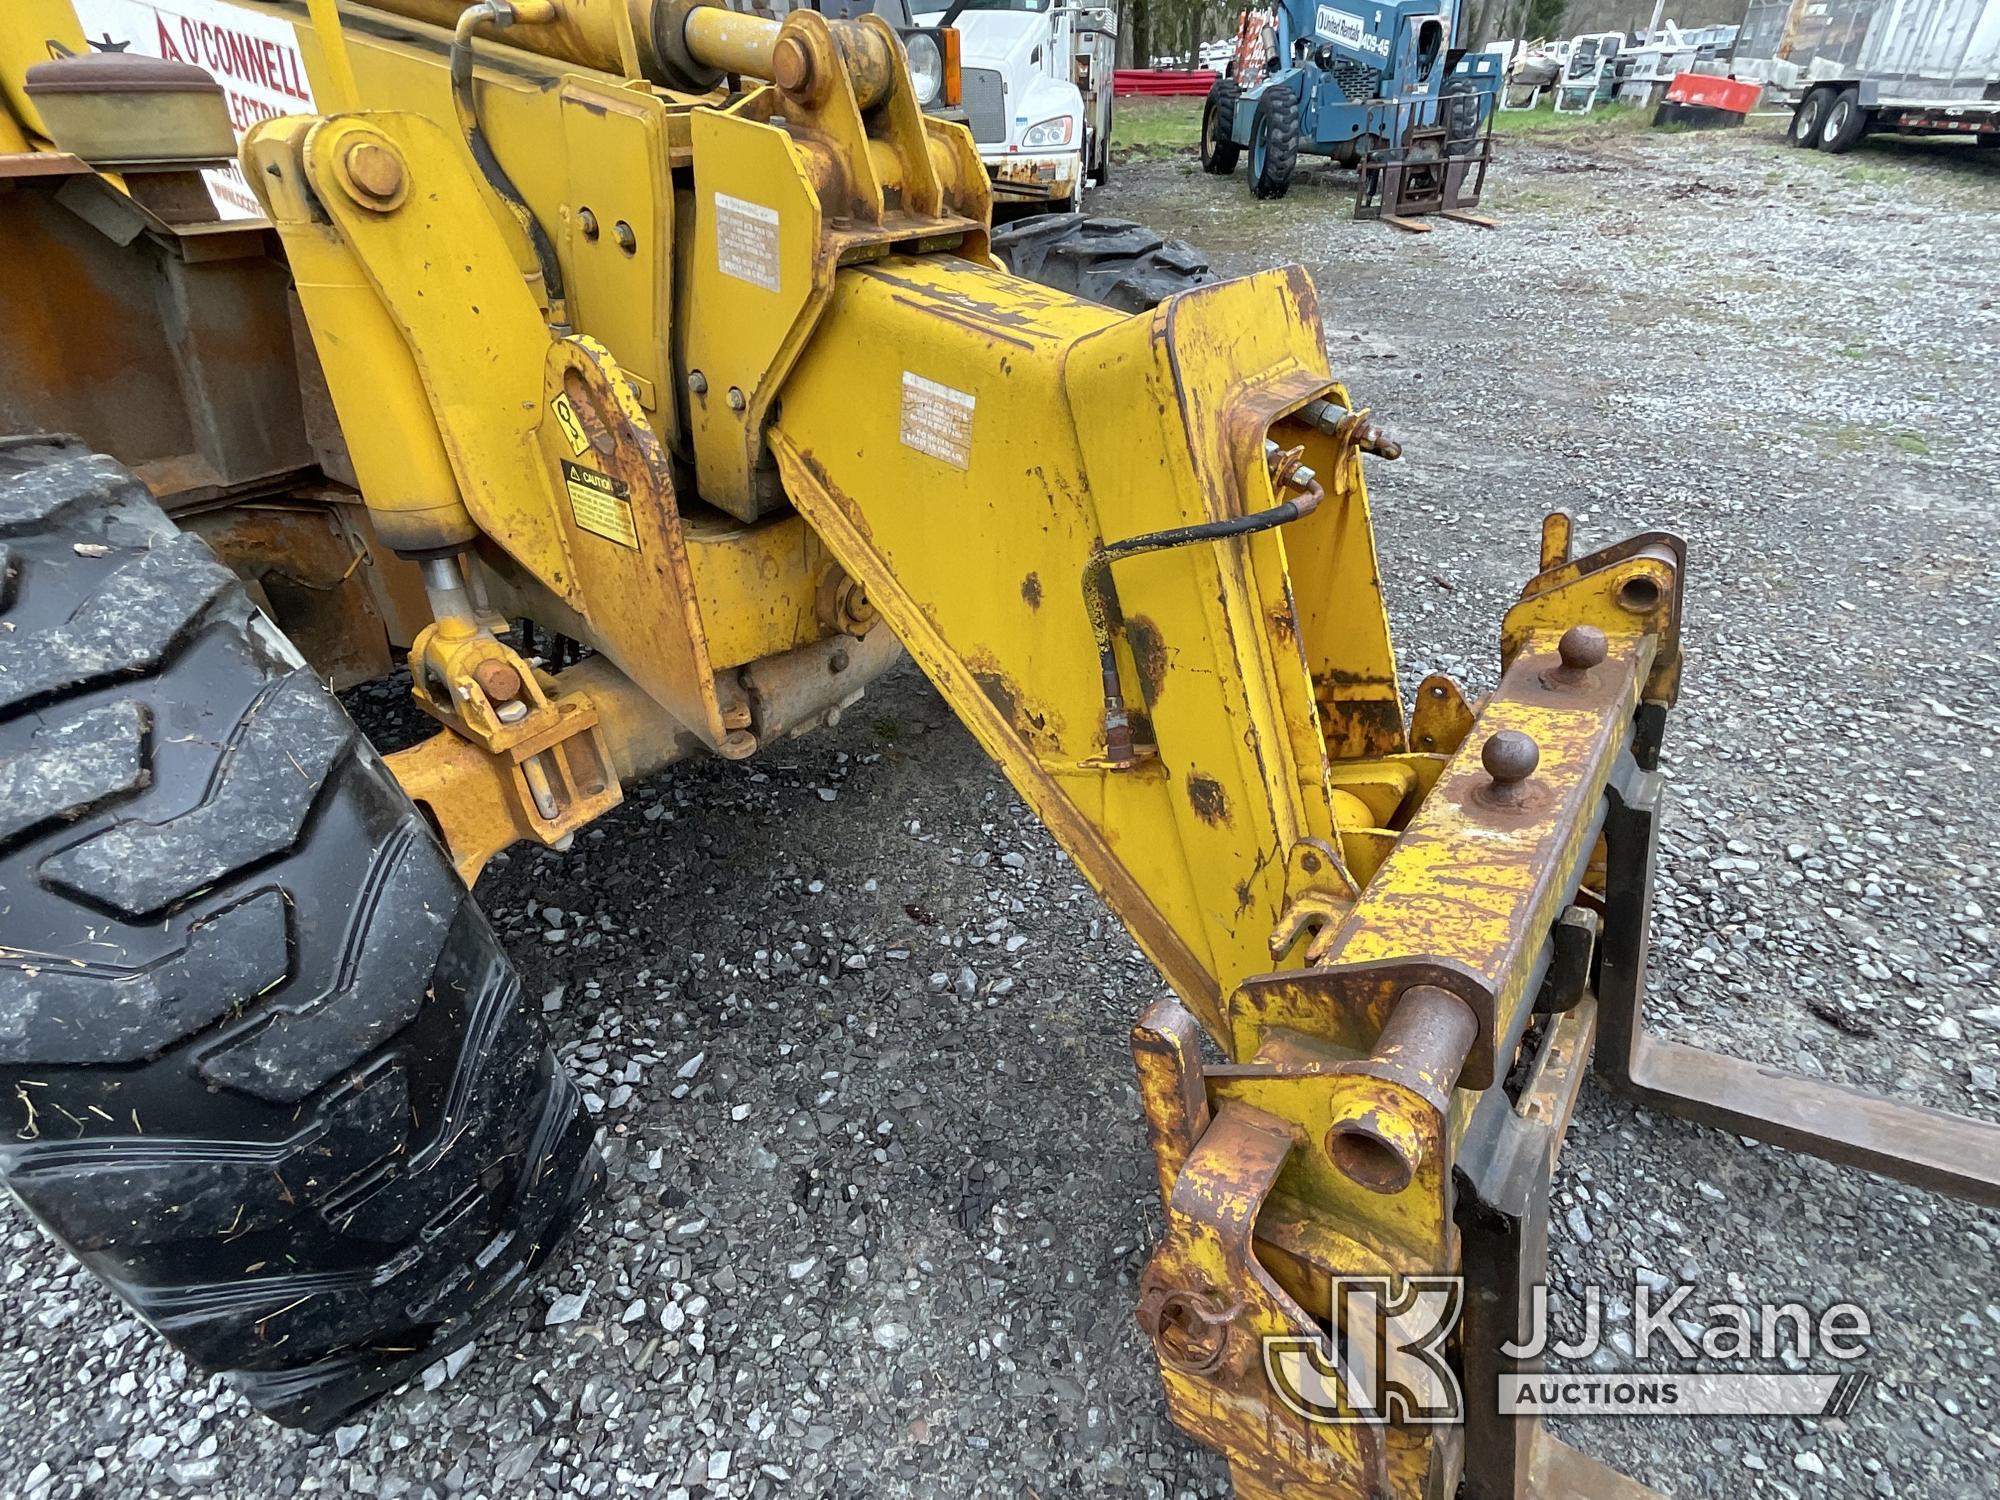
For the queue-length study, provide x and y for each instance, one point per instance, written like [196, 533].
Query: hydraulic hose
[500, 14]
[1100, 593]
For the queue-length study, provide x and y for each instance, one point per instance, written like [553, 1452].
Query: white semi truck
[1035, 77]
[1914, 67]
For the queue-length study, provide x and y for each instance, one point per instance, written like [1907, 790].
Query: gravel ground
[856, 1030]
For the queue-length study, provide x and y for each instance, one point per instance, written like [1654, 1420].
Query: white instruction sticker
[937, 420]
[1349, 30]
[746, 241]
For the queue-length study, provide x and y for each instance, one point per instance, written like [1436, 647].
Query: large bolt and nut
[375, 171]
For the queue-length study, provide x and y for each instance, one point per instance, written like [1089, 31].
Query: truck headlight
[934, 72]
[926, 65]
[1054, 132]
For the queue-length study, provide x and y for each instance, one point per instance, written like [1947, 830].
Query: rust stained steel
[1440, 718]
[1467, 897]
[1408, 1077]
[1100, 591]
[1360, 1127]
[1208, 1301]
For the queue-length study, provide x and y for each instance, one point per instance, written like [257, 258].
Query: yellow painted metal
[545, 446]
[345, 94]
[485, 800]
[761, 585]
[1193, 846]
[27, 27]
[413, 494]
[778, 209]
[604, 35]
[799, 393]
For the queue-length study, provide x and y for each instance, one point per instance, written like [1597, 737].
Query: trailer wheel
[1807, 119]
[267, 1069]
[1112, 261]
[1846, 122]
[1274, 143]
[1219, 152]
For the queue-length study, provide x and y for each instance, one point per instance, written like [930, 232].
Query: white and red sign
[254, 57]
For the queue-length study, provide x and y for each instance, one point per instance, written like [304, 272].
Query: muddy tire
[1274, 143]
[1113, 261]
[1219, 151]
[264, 1066]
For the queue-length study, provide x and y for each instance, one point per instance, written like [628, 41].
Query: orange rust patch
[1149, 655]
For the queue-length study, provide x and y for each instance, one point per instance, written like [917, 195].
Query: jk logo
[1384, 1361]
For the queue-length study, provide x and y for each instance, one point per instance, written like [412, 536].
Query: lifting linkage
[1365, 930]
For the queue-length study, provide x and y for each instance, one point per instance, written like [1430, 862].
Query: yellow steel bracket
[782, 205]
[541, 787]
[1327, 1145]
[466, 418]
[1246, 1259]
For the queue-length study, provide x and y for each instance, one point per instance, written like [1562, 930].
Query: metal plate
[985, 97]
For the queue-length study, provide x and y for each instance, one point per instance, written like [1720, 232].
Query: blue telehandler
[1385, 88]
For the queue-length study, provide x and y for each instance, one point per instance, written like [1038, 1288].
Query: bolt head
[1582, 647]
[1510, 757]
[375, 170]
[791, 64]
[498, 680]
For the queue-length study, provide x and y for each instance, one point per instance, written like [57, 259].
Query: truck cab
[1036, 81]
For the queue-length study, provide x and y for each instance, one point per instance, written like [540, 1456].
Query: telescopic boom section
[1133, 552]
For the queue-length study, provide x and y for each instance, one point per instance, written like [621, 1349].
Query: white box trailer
[1917, 67]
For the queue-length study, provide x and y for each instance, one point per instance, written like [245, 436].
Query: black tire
[1219, 152]
[1807, 119]
[1459, 107]
[1113, 261]
[269, 1072]
[1274, 143]
[1845, 123]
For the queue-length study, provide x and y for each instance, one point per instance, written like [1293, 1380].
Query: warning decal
[571, 425]
[602, 505]
[746, 241]
[937, 420]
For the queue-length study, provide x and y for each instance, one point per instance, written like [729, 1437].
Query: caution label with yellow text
[602, 505]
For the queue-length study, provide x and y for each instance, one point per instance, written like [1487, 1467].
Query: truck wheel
[1274, 143]
[1219, 152]
[1113, 261]
[1846, 122]
[267, 1067]
[1807, 118]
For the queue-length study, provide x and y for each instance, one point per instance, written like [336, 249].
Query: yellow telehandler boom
[679, 332]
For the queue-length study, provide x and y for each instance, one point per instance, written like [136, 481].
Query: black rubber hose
[467, 109]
